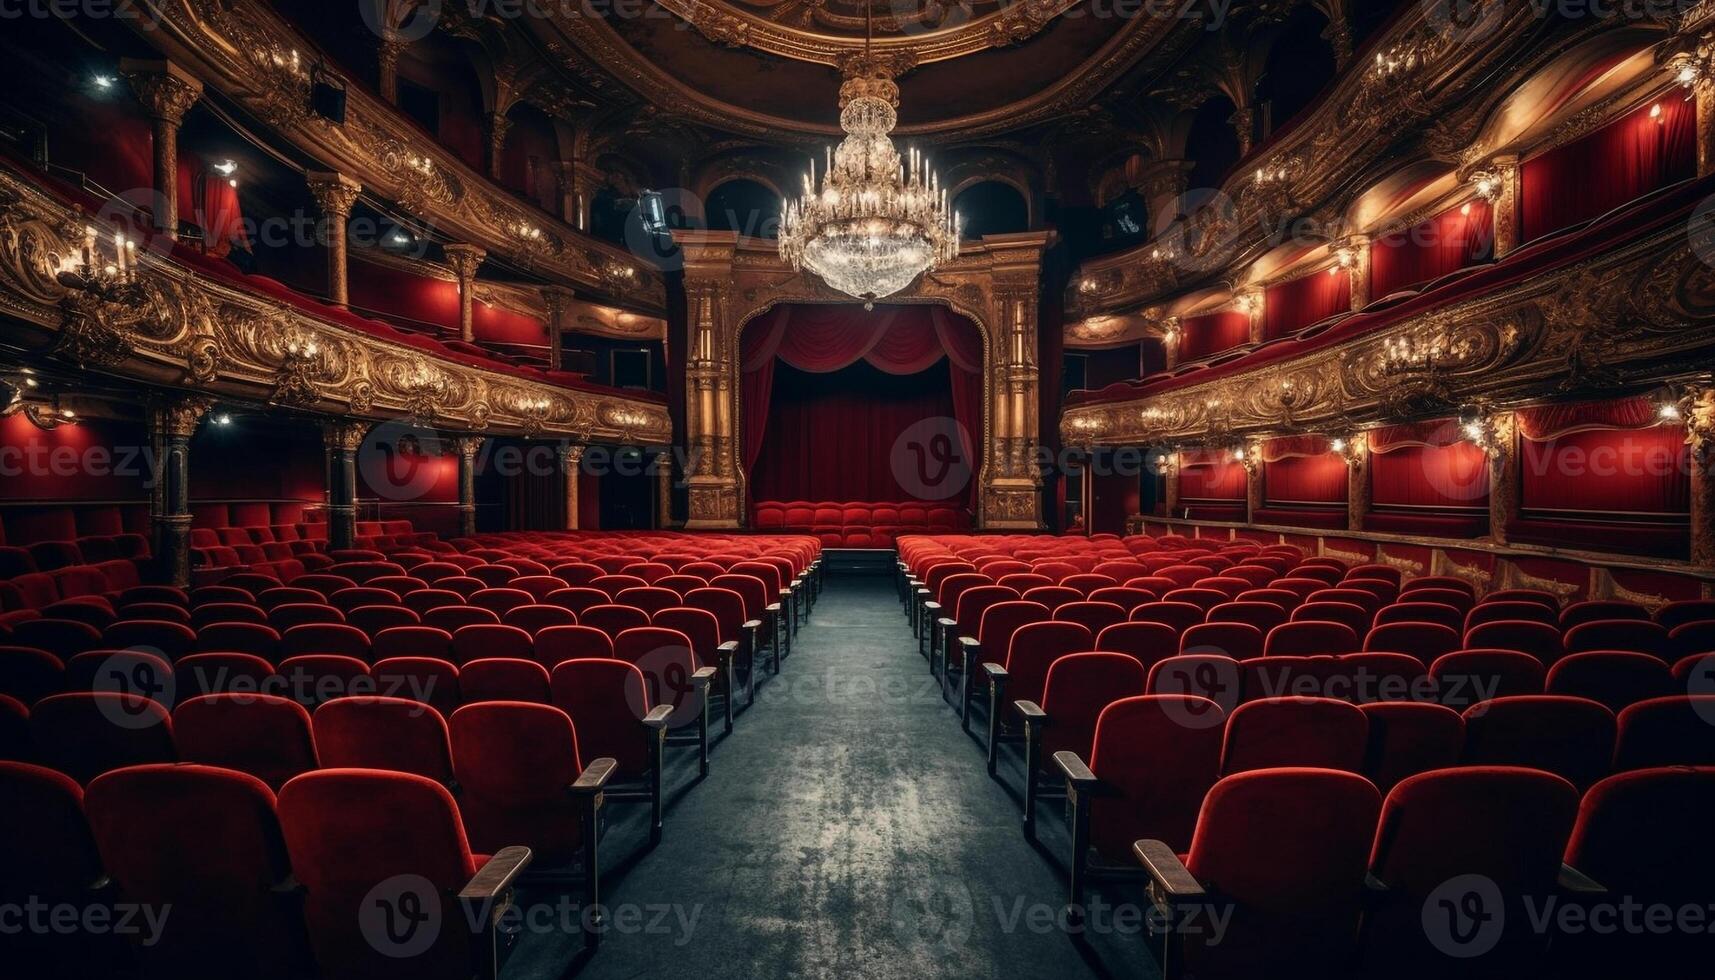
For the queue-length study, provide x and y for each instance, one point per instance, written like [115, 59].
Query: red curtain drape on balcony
[1614, 456]
[1212, 333]
[1210, 475]
[1297, 303]
[1448, 242]
[1302, 470]
[215, 209]
[939, 351]
[1598, 172]
[1553, 421]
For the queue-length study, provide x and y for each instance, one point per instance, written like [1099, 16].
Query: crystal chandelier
[876, 221]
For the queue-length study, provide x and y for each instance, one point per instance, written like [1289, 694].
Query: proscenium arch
[735, 364]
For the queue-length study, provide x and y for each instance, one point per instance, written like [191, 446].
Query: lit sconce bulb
[1473, 430]
[1669, 411]
[1656, 114]
[104, 81]
[1239, 454]
[223, 419]
[1338, 445]
[225, 168]
[1466, 210]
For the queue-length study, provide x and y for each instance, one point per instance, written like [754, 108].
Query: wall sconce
[1350, 448]
[1487, 184]
[1690, 67]
[1164, 463]
[93, 270]
[48, 417]
[1246, 302]
[1479, 430]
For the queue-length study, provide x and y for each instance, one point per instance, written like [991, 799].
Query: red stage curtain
[1212, 333]
[1387, 438]
[1302, 470]
[1454, 476]
[903, 341]
[1211, 476]
[1601, 171]
[1448, 242]
[216, 210]
[1631, 472]
[1297, 303]
[1553, 421]
[831, 436]
[417, 302]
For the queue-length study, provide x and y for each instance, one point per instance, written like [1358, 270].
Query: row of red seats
[1136, 703]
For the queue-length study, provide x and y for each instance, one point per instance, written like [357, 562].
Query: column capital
[179, 418]
[464, 259]
[557, 299]
[344, 435]
[166, 90]
[334, 193]
[467, 447]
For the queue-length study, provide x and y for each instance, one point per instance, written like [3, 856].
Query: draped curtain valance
[1547, 422]
[1436, 433]
[1289, 447]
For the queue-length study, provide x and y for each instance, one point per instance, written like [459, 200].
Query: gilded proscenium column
[335, 194]
[1170, 343]
[166, 93]
[1703, 91]
[467, 448]
[557, 300]
[387, 63]
[712, 474]
[465, 260]
[1700, 426]
[498, 125]
[1170, 481]
[1506, 202]
[174, 424]
[1357, 482]
[1503, 474]
[1251, 304]
[663, 489]
[342, 440]
[571, 460]
[1355, 257]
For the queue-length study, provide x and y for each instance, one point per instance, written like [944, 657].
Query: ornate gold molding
[173, 327]
[250, 55]
[1624, 319]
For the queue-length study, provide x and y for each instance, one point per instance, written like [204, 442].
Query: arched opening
[1212, 144]
[1300, 65]
[992, 208]
[1125, 220]
[744, 206]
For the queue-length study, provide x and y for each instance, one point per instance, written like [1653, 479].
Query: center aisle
[847, 829]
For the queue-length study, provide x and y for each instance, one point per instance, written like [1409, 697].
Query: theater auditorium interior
[1060, 490]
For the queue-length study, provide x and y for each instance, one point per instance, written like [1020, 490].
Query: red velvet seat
[1093, 616]
[1436, 582]
[132, 672]
[1591, 610]
[1179, 616]
[608, 700]
[373, 620]
[1148, 793]
[500, 601]
[1697, 636]
[1211, 676]
[264, 736]
[1675, 614]
[1262, 615]
[1240, 641]
[395, 734]
[1671, 731]
[1540, 640]
[1289, 731]
[153, 825]
[1571, 737]
[613, 619]
[1033, 648]
[411, 641]
[50, 857]
[1499, 828]
[669, 665]
[64, 638]
[576, 599]
[425, 680]
[560, 643]
[613, 585]
[516, 764]
[423, 601]
[491, 640]
[29, 674]
[1454, 598]
[1355, 617]
[1613, 678]
[345, 600]
[1422, 612]
[315, 678]
[1465, 677]
[649, 599]
[221, 673]
[1282, 853]
[1636, 635]
[1409, 737]
[503, 679]
[1425, 641]
[1147, 643]
[454, 618]
[349, 832]
[534, 618]
[325, 638]
[1310, 638]
[86, 734]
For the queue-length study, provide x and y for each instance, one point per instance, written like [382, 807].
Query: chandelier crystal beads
[875, 221]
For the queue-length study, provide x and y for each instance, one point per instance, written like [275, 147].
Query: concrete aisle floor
[847, 829]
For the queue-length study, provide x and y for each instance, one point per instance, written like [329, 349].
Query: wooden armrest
[1076, 772]
[730, 646]
[752, 624]
[595, 776]
[1167, 871]
[1030, 711]
[945, 622]
[772, 607]
[1577, 882]
[994, 671]
[657, 716]
[494, 878]
[931, 606]
[703, 676]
